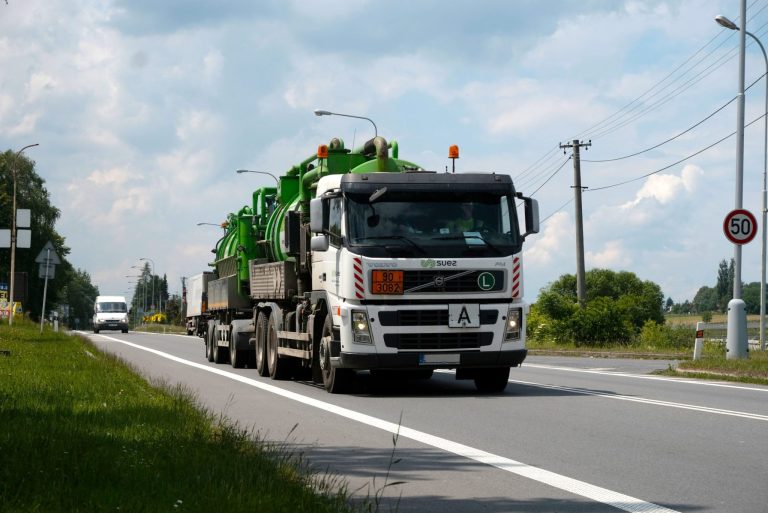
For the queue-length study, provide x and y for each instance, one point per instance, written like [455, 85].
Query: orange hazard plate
[387, 282]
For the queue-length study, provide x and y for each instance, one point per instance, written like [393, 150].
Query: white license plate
[435, 359]
[464, 316]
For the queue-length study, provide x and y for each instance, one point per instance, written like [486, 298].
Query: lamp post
[152, 278]
[319, 112]
[241, 171]
[13, 231]
[213, 224]
[725, 22]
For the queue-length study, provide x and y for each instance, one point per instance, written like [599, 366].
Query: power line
[556, 211]
[551, 176]
[674, 163]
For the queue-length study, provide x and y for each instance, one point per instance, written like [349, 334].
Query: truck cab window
[334, 221]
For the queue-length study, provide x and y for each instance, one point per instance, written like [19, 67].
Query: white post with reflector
[698, 345]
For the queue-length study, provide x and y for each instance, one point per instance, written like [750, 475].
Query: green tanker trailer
[361, 261]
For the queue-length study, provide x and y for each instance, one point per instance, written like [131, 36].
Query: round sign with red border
[740, 226]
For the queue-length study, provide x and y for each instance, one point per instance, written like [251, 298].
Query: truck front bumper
[404, 361]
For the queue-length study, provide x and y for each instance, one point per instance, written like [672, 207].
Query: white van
[110, 313]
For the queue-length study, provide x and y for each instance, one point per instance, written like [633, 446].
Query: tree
[618, 305]
[78, 295]
[707, 299]
[669, 304]
[750, 293]
[31, 194]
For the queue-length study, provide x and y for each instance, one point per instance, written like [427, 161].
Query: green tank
[257, 232]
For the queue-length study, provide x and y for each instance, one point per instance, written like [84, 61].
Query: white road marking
[644, 376]
[682, 406]
[567, 484]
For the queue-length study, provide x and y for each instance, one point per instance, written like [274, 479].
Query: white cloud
[665, 188]
[549, 244]
[27, 124]
[112, 178]
[613, 255]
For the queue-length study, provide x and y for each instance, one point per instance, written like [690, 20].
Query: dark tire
[209, 342]
[125, 331]
[492, 381]
[237, 357]
[220, 354]
[335, 381]
[95, 330]
[279, 368]
[262, 367]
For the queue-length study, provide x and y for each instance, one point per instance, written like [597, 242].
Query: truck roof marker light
[337, 310]
[322, 151]
[453, 154]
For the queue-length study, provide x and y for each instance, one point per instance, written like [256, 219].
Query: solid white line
[683, 406]
[644, 376]
[567, 484]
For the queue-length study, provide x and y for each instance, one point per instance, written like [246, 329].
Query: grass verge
[751, 370]
[80, 432]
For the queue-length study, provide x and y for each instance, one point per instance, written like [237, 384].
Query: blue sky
[143, 111]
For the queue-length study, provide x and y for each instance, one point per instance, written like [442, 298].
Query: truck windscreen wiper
[393, 237]
[471, 236]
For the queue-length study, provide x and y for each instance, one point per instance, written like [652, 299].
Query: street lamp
[319, 112]
[241, 171]
[13, 230]
[725, 22]
[141, 269]
[153, 277]
[222, 225]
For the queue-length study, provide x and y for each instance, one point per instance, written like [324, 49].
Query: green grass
[160, 328]
[80, 432]
[751, 370]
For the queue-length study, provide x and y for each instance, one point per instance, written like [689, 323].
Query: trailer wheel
[237, 357]
[220, 354]
[492, 381]
[209, 341]
[279, 368]
[261, 345]
[336, 381]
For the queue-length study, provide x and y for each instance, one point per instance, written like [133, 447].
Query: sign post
[48, 260]
[740, 227]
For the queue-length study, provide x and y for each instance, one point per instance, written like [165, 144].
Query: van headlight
[361, 334]
[513, 325]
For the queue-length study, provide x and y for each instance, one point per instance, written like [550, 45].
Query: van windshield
[111, 307]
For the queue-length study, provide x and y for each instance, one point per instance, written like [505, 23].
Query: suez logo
[431, 263]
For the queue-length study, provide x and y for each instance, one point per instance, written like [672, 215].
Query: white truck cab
[110, 313]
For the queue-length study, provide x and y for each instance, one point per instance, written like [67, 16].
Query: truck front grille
[437, 341]
[428, 317]
[420, 282]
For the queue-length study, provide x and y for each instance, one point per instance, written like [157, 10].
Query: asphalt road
[568, 435]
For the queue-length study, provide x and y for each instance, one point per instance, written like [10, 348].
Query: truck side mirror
[531, 216]
[318, 213]
[319, 243]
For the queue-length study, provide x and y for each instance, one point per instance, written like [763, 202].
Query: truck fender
[242, 331]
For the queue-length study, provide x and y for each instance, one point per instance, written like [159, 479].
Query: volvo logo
[439, 281]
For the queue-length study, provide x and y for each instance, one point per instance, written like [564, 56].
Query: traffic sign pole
[740, 227]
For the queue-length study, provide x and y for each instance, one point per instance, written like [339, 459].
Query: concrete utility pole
[736, 334]
[581, 287]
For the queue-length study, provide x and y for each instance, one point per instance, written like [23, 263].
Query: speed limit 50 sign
[740, 226]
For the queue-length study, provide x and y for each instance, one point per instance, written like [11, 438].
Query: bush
[654, 335]
[601, 322]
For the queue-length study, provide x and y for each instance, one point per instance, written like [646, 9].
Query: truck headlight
[513, 325]
[361, 334]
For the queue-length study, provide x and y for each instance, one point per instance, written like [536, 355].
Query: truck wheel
[238, 358]
[492, 380]
[261, 345]
[279, 368]
[335, 381]
[220, 354]
[209, 342]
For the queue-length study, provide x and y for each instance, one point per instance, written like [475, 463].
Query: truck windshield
[439, 224]
[111, 307]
